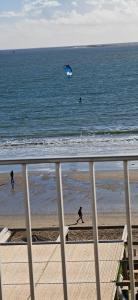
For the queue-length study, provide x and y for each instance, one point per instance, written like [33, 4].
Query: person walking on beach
[12, 179]
[80, 215]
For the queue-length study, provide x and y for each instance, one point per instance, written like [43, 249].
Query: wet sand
[78, 175]
[51, 220]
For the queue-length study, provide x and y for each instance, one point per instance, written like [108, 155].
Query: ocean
[41, 115]
[40, 112]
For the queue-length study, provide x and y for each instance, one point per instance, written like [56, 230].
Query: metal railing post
[61, 225]
[28, 229]
[1, 296]
[95, 229]
[128, 218]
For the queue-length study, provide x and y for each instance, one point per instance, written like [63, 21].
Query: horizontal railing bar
[67, 159]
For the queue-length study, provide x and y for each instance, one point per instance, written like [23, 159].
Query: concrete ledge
[5, 235]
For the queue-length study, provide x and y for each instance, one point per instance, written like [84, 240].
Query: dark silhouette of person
[12, 179]
[80, 100]
[137, 295]
[80, 215]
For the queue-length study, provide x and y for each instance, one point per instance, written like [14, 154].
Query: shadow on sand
[72, 224]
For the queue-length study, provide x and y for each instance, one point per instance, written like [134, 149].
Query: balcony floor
[48, 271]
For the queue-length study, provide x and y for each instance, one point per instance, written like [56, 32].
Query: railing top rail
[67, 159]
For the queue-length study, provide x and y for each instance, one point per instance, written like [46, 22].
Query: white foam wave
[88, 145]
[68, 140]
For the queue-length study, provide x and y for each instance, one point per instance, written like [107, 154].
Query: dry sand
[41, 221]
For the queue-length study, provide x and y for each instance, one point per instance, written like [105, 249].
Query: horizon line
[72, 46]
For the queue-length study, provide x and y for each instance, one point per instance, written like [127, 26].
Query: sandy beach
[45, 228]
[42, 221]
[74, 183]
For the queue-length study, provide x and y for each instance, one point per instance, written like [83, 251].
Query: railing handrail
[67, 159]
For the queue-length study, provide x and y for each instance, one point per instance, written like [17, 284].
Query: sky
[52, 23]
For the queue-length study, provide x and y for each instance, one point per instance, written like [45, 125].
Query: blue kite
[68, 70]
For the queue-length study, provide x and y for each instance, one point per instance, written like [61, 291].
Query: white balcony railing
[57, 161]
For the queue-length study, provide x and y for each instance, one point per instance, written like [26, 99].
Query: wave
[111, 131]
[94, 138]
[60, 136]
[87, 143]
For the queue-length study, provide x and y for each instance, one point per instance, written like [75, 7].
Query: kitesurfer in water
[80, 100]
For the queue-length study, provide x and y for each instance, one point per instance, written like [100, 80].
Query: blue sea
[41, 115]
[40, 112]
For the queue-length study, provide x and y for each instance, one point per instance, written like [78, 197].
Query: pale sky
[50, 23]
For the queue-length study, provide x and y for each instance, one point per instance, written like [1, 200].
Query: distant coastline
[75, 46]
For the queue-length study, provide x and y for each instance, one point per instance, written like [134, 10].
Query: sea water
[40, 111]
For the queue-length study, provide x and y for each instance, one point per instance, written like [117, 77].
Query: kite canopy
[68, 70]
